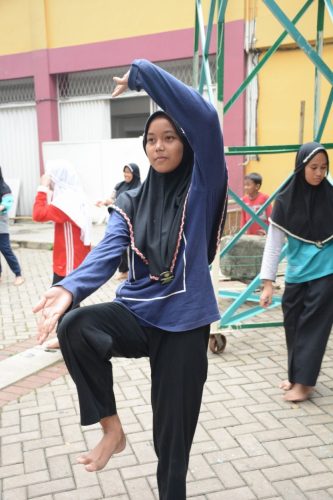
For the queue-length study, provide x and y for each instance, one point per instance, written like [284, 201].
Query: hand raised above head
[122, 84]
[52, 306]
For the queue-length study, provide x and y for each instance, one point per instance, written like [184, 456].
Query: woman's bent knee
[70, 322]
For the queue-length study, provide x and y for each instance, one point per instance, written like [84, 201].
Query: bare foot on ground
[286, 385]
[112, 442]
[19, 280]
[298, 392]
[122, 276]
[52, 344]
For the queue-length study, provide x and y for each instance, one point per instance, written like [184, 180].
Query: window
[128, 116]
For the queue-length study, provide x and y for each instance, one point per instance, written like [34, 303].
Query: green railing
[202, 77]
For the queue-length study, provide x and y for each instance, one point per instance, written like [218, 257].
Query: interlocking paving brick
[288, 489]
[34, 461]
[138, 471]
[59, 467]
[15, 494]
[249, 444]
[282, 472]
[38, 478]
[228, 475]
[138, 489]
[89, 493]
[54, 486]
[313, 481]
[243, 493]
[259, 484]
[309, 461]
[279, 452]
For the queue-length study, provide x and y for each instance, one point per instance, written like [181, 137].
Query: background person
[303, 212]
[69, 210]
[254, 199]
[132, 180]
[6, 201]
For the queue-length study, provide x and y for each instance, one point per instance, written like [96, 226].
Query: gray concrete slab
[249, 443]
[26, 363]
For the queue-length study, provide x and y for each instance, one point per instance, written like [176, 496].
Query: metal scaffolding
[202, 79]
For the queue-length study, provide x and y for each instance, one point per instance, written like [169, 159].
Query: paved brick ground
[249, 444]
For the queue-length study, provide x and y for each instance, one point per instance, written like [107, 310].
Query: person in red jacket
[254, 199]
[69, 210]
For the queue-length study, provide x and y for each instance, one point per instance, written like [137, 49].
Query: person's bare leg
[286, 385]
[298, 392]
[112, 442]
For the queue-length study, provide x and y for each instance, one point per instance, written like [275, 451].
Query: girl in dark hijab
[6, 201]
[161, 203]
[172, 224]
[303, 211]
[132, 180]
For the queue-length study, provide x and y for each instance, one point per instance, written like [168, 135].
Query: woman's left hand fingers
[122, 84]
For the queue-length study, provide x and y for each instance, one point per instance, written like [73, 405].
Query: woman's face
[128, 176]
[315, 171]
[164, 147]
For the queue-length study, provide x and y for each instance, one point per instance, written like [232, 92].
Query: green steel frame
[229, 318]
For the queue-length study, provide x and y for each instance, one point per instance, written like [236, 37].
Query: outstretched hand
[52, 306]
[122, 84]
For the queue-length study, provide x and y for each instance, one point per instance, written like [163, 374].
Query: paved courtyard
[249, 443]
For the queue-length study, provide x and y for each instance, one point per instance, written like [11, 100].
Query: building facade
[57, 60]
[58, 57]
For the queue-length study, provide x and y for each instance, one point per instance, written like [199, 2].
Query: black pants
[308, 318]
[90, 336]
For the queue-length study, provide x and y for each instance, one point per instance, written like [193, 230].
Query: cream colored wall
[22, 26]
[286, 80]
[27, 25]
[268, 29]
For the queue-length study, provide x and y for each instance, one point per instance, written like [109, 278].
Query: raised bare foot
[286, 385]
[298, 392]
[112, 442]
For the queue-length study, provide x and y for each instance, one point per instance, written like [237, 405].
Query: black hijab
[123, 186]
[302, 210]
[155, 212]
[4, 188]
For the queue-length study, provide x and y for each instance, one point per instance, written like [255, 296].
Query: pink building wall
[44, 65]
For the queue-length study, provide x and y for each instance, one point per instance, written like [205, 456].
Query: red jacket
[68, 249]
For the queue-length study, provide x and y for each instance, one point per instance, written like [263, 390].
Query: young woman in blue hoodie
[172, 224]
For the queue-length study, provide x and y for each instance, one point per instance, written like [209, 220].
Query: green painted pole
[300, 40]
[325, 116]
[319, 50]
[265, 58]
[196, 50]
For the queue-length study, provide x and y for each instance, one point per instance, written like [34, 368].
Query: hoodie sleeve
[196, 116]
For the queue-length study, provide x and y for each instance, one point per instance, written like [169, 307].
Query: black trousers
[90, 336]
[308, 318]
